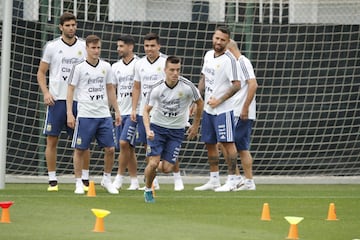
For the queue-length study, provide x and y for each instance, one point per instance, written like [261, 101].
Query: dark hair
[223, 29]
[173, 60]
[127, 39]
[152, 36]
[92, 39]
[67, 16]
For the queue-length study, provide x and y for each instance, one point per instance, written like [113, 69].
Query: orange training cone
[100, 214]
[265, 215]
[5, 215]
[332, 213]
[91, 192]
[293, 231]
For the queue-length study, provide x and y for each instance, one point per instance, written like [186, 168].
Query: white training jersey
[61, 57]
[246, 72]
[148, 74]
[90, 82]
[219, 72]
[124, 80]
[171, 105]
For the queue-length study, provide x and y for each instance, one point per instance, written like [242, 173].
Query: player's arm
[201, 85]
[69, 106]
[41, 78]
[214, 102]
[146, 120]
[135, 99]
[252, 87]
[194, 128]
[112, 100]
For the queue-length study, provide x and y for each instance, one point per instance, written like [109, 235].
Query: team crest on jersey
[80, 53]
[48, 127]
[103, 71]
[78, 141]
[159, 69]
[180, 94]
[218, 66]
[148, 149]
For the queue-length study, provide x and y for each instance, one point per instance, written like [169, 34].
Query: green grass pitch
[187, 215]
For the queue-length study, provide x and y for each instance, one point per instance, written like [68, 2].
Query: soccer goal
[306, 56]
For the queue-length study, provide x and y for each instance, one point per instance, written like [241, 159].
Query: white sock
[52, 176]
[78, 181]
[85, 174]
[119, 176]
[214, 176]
[107, 175]
[177, 175]
[134, 180]
[249, 180]
[231, 178]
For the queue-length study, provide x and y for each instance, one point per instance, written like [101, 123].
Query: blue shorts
[141, 133]
[88, 128]
[127, 130]
[243, 130]
[166, 143]
[217, 128]
[56, 119]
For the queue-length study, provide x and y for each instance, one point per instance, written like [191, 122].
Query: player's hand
[118, 119]
[213, 102]
[192, 132]
[70, 120]
[133, 116]
[150, 135]
[49, 99]
[244, 115]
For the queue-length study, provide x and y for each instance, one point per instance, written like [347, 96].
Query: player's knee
[124, 145]
[153, 164]
[110, 150]
[167, 167]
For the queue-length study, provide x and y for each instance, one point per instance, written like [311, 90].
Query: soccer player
[169, 101]
[59, 55]
[219, 82]
[93, 81]
[148, 71]
[126, 133]
[245, 114]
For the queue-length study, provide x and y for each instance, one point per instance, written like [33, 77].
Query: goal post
[5, 82]
[306, 63]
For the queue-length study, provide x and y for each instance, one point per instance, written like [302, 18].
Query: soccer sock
[177, 175]
[134, 180]
[52, 176]
[85, 174]
[249, 180]
[119, 176]
[107, 175]
[231, 178]
[78, 181]
[214, 176]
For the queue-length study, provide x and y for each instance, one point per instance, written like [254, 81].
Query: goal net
[306, 56]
